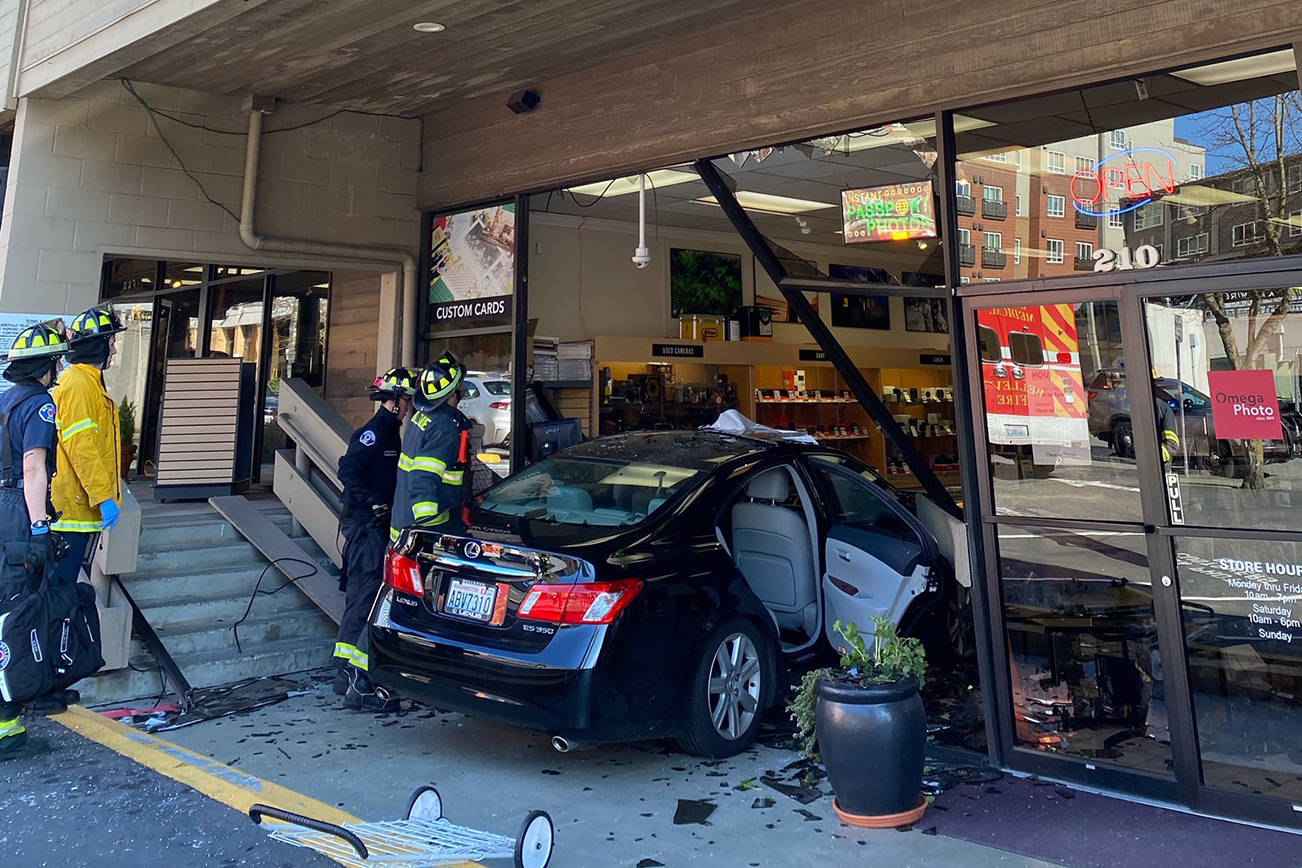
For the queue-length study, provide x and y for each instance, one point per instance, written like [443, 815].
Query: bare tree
[1257, 137]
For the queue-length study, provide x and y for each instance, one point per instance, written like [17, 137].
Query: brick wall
[90, 175]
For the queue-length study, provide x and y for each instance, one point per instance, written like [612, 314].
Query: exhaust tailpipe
[561, 744]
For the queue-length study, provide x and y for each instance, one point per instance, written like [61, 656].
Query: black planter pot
[872, 740]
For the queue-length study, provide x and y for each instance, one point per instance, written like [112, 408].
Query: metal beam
[520, 335]
[981, 590]
[822, 335]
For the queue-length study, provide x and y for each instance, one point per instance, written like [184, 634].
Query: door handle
[843, 555]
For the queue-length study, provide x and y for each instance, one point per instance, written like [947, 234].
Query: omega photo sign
[472, 268]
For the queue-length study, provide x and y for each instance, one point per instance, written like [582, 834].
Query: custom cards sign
[1245, 405]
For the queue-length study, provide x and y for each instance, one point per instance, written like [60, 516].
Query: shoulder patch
[4, 656]
[46, 412]
[367, 438]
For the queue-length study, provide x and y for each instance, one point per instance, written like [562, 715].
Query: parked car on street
[656, 585]
[487, 402]
[1109, 420]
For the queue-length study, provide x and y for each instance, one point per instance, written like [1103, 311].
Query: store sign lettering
[1245, 405]
[1135, 175]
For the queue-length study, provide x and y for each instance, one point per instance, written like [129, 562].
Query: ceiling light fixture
[623, 186]
[1274, 63]
[804, 226]
[770, 204]
[428, 27]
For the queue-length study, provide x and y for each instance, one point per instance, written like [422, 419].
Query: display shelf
[838, 437]
[567, 384]
[842, 401]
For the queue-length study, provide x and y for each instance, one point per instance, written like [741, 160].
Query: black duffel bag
[49, 640]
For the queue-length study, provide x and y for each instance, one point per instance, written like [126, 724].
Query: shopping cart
[424, 838]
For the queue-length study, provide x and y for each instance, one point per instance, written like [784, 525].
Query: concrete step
[211, 530]
[197, 560]
[161, 590]
[226, 610]
[141, 686]
[203, 637]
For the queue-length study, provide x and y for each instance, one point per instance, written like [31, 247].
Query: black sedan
[652, 585]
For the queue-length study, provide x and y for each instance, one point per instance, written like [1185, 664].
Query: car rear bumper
[553, 692]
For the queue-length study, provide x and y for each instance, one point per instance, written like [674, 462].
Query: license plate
[475, 601]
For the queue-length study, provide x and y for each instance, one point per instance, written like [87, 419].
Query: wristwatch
[39, 527]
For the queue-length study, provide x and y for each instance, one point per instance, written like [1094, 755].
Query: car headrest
[655, 504]
[565, 497]
[772, 485]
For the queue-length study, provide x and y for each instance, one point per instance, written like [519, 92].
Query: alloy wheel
[734, 686]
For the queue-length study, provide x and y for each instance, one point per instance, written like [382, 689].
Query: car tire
[736, 661]
[1123, 439]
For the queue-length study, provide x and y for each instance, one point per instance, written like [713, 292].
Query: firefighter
[27, 446]
[1166, 428]
[434, 453]
[369, 473]
[88, 487]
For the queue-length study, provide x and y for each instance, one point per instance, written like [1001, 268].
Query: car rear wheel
[728, 688]
[1123, 439]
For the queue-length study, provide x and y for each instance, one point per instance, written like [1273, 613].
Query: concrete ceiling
[364, 54]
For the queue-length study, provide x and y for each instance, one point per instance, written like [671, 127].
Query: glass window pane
[1057, 448]
[129, 277]
[1241, 602]
[1229, 367]
[1213, 151]
[300, 304]
[1082, 646]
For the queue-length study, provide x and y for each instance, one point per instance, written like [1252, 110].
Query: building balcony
[991, 258]
[966, 254]
[992, 210]
[1085, 221]
[966, 205]
[1081, 264]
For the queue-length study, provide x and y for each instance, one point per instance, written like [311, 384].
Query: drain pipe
[386, 255]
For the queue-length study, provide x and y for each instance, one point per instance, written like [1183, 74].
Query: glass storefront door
[1140, 511]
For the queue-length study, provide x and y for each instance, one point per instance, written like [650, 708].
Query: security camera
[641, 257]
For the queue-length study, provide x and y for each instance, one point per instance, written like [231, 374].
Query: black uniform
[1169, 439]
[27, 414]
[433, 468]
[369, 472]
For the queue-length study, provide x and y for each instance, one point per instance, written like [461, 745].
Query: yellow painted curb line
[217, 781]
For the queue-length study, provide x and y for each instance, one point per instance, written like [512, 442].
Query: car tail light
[592, 603]
[1064, 358]
[500, 405]
[403, 574]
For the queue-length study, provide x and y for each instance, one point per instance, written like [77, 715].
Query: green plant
[891, 658]
[127, 420]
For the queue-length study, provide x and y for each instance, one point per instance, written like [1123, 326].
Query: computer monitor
[546, 438]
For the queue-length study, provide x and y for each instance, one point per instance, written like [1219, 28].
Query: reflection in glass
[1226, 477]
[1242, 609]
[1209, 169]
[1082, 645]
[126, 378]
[299, 309]
[1051, 452]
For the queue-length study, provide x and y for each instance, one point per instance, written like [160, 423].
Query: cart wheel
[533, 846]
[425, 804]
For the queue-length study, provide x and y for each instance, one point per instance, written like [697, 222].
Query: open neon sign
[1135, 174]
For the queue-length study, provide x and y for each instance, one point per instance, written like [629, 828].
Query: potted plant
[127, 423]
[866, 721]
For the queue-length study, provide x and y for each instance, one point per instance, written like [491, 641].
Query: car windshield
[497, 387]
[611, 482]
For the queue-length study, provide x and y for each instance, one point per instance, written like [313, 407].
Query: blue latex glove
[109, 513]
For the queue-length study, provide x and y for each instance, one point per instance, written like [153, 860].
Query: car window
[860, 505]
[471, 391]
[988, 339]
[497, 387]
[1026, 349]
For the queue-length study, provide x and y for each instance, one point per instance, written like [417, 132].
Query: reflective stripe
[454, 477]
[77, 428]
[394, 533]
[11, 727]
[442, 518]
[344, 650]
[362, 661]
[1171, 437]
[424, 509]
[77, 526]
[420, 462]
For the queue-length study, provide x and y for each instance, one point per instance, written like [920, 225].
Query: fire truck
[1036, 410]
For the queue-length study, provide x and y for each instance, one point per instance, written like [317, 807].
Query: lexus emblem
[473, 549]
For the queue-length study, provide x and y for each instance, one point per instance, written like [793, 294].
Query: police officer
[89, 485]
[27, 446]
[434, 453]
[369, 473]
